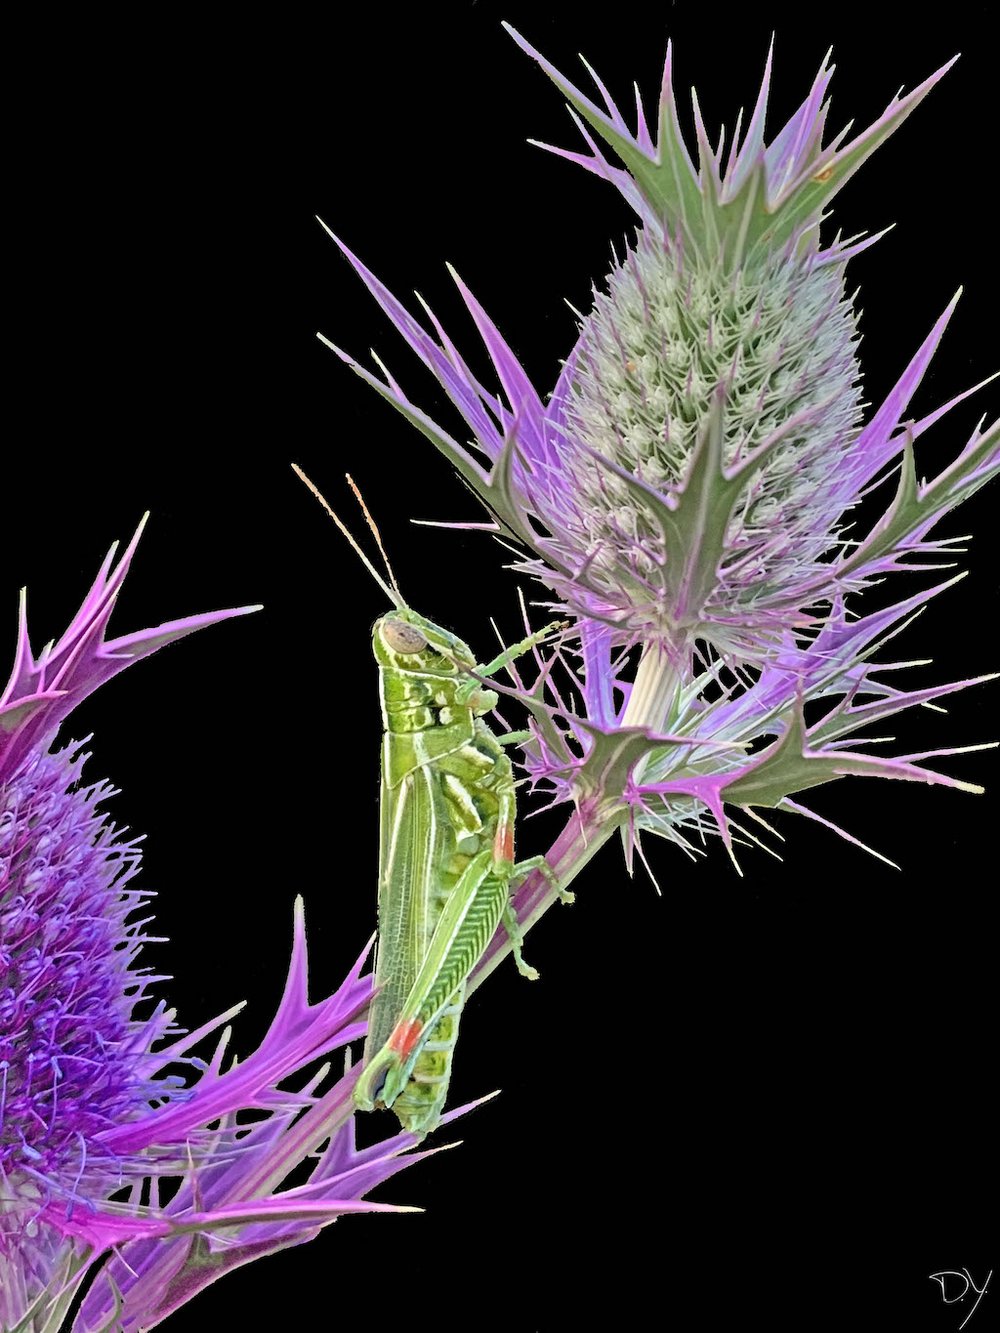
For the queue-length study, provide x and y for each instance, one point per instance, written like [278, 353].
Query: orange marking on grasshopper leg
[405, 1036]
[503, 842]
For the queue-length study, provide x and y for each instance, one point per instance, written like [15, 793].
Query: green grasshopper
[446, 848]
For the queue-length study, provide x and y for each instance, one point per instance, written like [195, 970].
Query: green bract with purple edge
[686, 487]
[108, 1166]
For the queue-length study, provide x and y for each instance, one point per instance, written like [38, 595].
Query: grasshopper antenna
[373, 527]
[390, 589]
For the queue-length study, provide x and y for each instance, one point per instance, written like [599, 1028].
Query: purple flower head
[115, 1134]
[74, 1057]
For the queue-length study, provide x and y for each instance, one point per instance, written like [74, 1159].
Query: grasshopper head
[405, 641]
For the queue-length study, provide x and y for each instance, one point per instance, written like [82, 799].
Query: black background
[762, 1096]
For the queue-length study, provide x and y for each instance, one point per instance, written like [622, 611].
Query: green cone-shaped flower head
[773, 345]
[692, 475]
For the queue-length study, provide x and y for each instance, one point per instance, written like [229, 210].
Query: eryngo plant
[683, 490]
[688, 486]
[126, 1159]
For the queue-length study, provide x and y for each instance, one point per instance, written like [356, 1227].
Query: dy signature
[955, 1286]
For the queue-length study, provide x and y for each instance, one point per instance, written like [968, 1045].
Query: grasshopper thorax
[425, 674]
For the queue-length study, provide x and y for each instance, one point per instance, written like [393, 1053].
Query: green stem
[651, 700]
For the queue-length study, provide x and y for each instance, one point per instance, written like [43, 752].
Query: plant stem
[586, 832]
[653, 695]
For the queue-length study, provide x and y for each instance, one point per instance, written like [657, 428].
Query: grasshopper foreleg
[517, 650]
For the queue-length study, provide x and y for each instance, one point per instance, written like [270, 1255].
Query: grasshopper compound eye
[402, 637]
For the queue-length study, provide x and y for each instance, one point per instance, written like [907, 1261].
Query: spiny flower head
[115, 1135]
[692, 476]
[764, 359]
[74, 1061]
[690, 486]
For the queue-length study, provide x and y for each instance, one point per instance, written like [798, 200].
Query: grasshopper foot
[516, 936]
